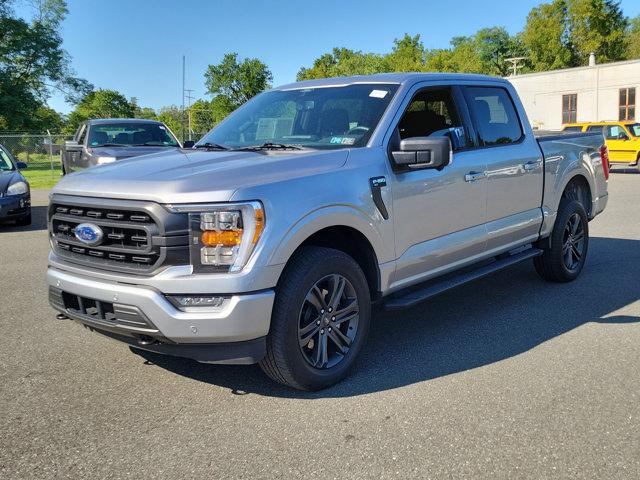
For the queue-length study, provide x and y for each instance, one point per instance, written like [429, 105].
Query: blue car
[15, 194]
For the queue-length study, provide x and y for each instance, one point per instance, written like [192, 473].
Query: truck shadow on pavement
[38, 222]
[504, 315]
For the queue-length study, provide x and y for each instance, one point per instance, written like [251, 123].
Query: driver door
[439, 215]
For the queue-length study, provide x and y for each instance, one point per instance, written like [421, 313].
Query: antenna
[182, 115]
[514, 64]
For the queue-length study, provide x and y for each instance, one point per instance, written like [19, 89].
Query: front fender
[325, 217]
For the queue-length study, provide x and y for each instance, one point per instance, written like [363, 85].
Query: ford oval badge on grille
[89, 234]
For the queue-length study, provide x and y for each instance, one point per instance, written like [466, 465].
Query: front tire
[563, 262]
[320, 319]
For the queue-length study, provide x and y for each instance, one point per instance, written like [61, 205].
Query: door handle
[473, 176]
[528, 167]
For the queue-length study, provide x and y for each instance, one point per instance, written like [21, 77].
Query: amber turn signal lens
[228, 238]
[259, 225]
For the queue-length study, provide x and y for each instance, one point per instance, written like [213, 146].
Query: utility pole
[514, 64]
[189, 98]
[182, 111]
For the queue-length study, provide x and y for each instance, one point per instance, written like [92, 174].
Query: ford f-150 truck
[271, 239]
[105, 140]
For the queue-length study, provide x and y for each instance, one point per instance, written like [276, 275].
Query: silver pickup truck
[271, 239]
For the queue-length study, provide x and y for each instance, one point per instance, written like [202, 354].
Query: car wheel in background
[320, 319]
[563, 262]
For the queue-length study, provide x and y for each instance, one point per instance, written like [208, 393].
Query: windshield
[329, 117]
[130, 133]
[634, 128]
[5, 161]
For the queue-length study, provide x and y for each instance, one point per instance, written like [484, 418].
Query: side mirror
[423, 152]
[188, 144]
[21, 165]
[72, 146]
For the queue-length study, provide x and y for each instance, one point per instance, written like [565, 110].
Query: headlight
[223, 236]
[105, 160]
[17, 188]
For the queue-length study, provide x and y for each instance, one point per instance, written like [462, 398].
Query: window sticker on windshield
[161, 127]
[378, 93]
[343, 140]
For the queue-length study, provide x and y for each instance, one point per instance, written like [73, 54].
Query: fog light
[184, 302]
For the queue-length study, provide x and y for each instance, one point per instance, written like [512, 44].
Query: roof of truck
[98, 121]
[397, 78]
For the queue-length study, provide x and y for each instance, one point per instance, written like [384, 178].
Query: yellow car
[622, 138]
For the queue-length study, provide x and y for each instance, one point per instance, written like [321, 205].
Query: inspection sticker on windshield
[343, 140]
[378, 93]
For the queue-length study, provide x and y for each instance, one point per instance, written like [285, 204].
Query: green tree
[207, 114]
[546, 37]
[33, 63]
[407, 55]
[100, 104]
[633, 38]
[563, 33]
[171, 116]
[142, 112]
[492, 46]
[343, 62]
[45, 118]
[597, 26]
[237, 81]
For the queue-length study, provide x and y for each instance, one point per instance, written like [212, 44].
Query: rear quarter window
[494, 115]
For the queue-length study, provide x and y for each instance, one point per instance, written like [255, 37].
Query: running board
[415, 296]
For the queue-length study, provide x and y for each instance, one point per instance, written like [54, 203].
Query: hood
[194, 176]
[7, 178]
[127, 151]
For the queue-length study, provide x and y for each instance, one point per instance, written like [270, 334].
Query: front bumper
[15, 206]
[143, 316]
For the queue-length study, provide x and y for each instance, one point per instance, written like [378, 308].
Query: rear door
[621, 148]
[515, 167]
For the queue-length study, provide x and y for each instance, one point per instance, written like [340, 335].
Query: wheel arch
[344, 231]
[578, 188]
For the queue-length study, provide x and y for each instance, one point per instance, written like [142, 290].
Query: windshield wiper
[211, 146]
[270, 146]
[111, 145]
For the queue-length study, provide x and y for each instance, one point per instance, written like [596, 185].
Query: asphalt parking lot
[508, 377]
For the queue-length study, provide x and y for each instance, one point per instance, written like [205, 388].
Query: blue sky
[136, 47]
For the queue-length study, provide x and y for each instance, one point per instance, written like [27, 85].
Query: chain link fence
[41, 153]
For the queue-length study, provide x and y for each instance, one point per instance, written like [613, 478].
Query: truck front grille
[136, 236]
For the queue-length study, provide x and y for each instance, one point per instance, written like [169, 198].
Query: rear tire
[563, 262]
[320, 319]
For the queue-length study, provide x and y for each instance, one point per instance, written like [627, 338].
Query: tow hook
[145, 341]
[61, 316]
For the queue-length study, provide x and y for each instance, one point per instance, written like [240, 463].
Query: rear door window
[614, 132]
[494, 115]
